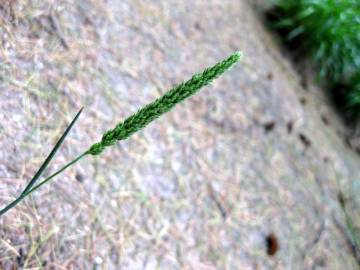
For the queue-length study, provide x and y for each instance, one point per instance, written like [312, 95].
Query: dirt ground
[244, 175]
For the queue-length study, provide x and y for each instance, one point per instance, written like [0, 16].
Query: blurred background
[260, 170]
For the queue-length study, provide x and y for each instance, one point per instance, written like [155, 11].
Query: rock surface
[244, 175]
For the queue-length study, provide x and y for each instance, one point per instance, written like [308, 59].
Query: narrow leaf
[51, 155]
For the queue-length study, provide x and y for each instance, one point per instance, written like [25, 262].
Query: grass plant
[328, 31]
[132, 124]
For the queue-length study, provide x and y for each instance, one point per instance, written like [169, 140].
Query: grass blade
[52, 154]
[29, 188]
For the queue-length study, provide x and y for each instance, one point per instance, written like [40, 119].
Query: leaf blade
[52, 154]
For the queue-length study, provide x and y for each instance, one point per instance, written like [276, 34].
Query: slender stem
[11, 205]
[56, 173]
[22, 196]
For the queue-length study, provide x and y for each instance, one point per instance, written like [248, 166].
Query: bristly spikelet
[162, 105]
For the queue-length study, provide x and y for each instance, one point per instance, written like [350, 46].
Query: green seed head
[162, 105]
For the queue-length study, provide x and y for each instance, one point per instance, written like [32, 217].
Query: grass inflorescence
[162, 105]
[329, 31]
[132, 124]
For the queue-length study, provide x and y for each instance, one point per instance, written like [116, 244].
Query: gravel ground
[244, 175]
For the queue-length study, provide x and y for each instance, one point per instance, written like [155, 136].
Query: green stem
[11, 205]
[56, 173]
[22, 196]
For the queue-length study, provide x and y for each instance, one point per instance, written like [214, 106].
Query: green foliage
[133, 123]
[329, 30]
[353, 99]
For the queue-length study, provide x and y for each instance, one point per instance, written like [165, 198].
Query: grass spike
[163, 104]
[136, 121]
